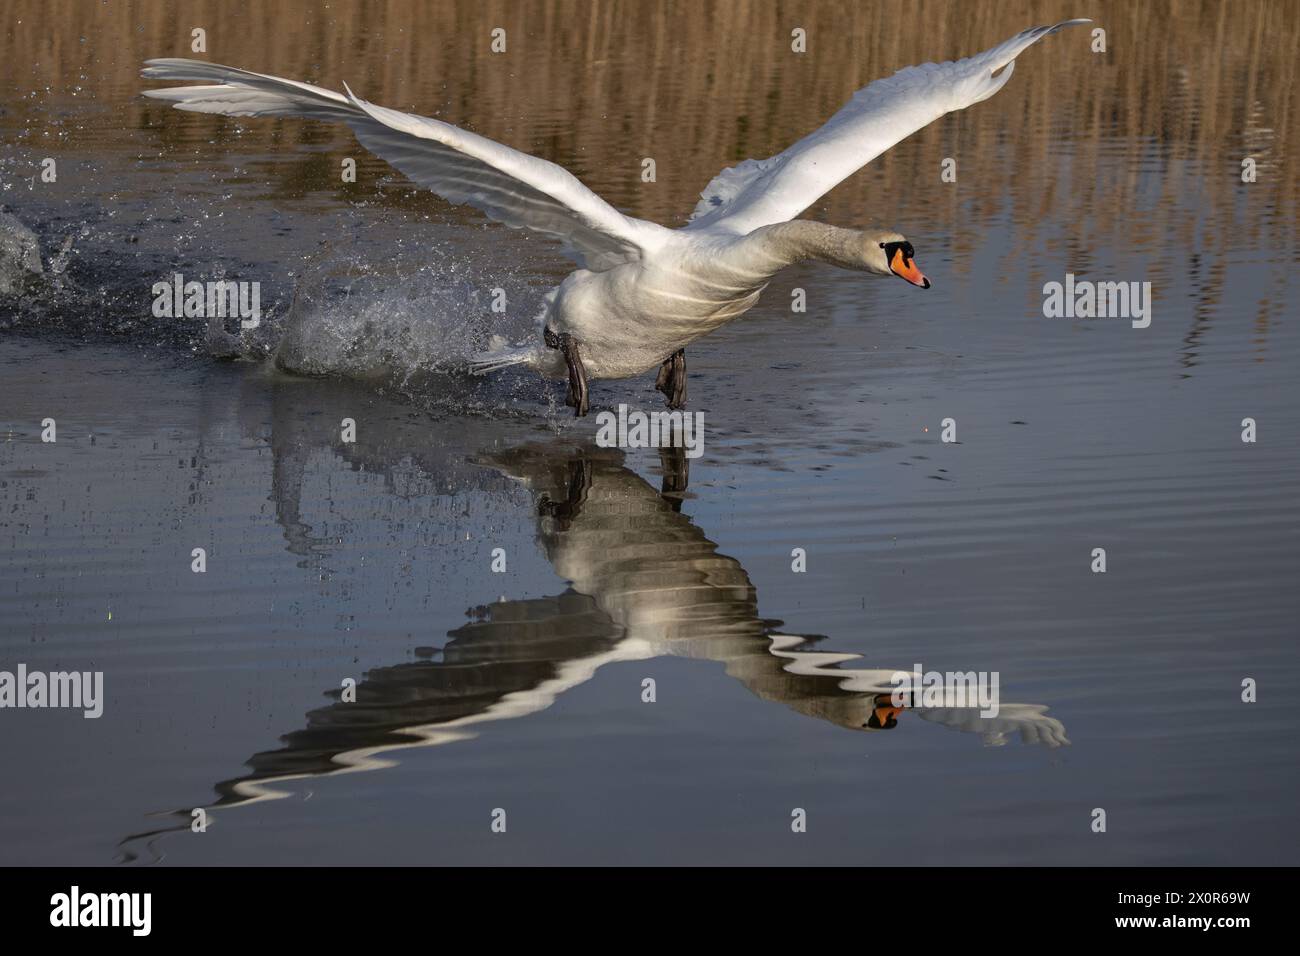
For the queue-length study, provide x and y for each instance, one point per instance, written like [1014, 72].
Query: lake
[472, 616]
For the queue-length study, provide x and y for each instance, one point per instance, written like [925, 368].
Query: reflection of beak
[885, 713]
[906, 268]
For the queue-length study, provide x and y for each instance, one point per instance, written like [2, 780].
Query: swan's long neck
[774, 247]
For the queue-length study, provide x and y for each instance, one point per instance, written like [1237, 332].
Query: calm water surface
[522, 690]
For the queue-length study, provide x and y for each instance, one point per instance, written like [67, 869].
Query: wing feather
[761, 192]
[510, 186]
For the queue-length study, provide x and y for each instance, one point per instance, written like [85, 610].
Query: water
[522, 690]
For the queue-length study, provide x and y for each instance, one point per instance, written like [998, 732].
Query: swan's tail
[501, 354]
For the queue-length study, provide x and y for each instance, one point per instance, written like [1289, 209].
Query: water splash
[369, 322]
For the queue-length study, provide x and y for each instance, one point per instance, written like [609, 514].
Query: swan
[643, 292]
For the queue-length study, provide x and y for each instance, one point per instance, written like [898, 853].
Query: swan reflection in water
[645, 582]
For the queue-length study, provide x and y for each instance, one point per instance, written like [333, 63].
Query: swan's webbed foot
[671, 379]
[577, 398]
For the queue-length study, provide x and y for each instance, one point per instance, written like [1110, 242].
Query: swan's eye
[893, 248]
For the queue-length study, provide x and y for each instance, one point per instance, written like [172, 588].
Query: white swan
[643, 292]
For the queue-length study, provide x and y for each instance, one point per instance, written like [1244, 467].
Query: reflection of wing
[761, 192]
[1030, 721]
[517, 663]
[514, 662]
[462, 167]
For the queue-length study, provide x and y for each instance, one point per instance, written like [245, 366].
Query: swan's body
[644, 292]
[631, 317]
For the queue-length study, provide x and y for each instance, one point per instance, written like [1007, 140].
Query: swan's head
[888, 253]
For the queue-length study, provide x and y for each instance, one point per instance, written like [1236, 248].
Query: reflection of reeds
[1187, 88]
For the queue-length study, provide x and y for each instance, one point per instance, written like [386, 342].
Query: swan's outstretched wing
[759, 192]
[462, 167]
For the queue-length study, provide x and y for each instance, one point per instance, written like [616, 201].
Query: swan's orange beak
[906, 268]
